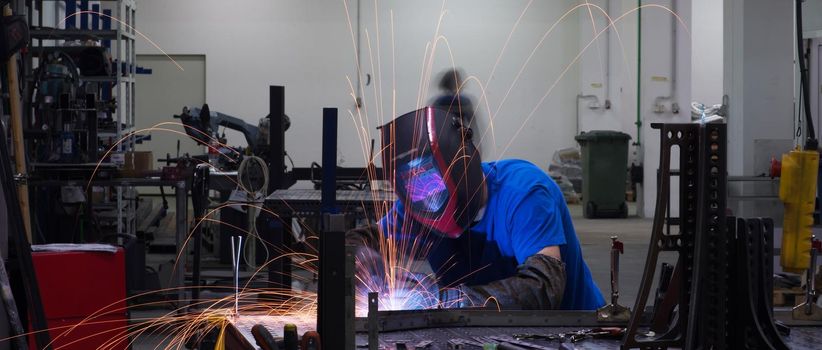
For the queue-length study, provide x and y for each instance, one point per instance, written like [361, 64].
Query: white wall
[609, 69]
[656, 64]
[706, 54]
[304, 45]
[661, 32]
[812, 17]
[476, 32]
[759, 80]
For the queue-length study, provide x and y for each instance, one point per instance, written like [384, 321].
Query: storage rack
[109, 24]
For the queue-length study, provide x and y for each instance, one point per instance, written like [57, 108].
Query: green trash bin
[604, 171]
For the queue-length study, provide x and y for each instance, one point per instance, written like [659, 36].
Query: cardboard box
[138, 163]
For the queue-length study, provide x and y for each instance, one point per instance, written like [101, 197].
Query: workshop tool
[614, 311]
[808, 309]
[576, 336]
[504, 343]
[797, 190]
[263, 337]
[236, 254]
[310, 341]
[290, 336]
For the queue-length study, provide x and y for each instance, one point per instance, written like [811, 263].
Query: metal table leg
[179, 237]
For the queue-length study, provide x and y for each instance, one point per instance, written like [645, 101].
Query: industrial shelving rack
[109, 24]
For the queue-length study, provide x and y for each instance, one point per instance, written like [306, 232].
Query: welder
[500, 233]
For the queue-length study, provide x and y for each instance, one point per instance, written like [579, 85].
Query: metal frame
[119, 37]
[686, 137]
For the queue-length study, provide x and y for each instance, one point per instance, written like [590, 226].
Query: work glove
[367, 235]
[368, 262]
[538, 285]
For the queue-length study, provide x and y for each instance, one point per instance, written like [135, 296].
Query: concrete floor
[595, 238]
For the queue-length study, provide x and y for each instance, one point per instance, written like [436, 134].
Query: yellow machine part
[797, 190]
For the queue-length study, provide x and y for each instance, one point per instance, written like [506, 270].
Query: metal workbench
[800, 338]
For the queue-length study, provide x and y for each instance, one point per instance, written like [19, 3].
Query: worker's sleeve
[535, 223]
[538, 285]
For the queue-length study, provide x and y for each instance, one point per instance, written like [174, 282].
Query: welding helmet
[436, 169]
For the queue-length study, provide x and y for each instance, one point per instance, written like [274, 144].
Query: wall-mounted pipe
[658, 106]
[608, 79]
[593, 105]
[638, 122]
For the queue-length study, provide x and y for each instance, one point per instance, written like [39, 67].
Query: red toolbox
[86, 290]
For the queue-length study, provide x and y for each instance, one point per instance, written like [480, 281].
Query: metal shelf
[119, 38]
[73, 34]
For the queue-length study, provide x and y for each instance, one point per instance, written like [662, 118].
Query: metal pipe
[608, 57]
[658, 107]
[638, 122]
[595, 105]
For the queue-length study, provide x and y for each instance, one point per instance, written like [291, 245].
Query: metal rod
[236, 255]
[614, 269]
[810, 282]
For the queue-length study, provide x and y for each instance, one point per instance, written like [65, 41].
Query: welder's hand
[370, 270]
[538, 285]
[367, 235]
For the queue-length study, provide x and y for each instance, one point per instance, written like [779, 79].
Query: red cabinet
[84, 298]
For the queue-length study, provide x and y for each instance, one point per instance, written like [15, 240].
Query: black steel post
[332, 255]
[279, 270]
[331, 301]
[199, 200]
[276, 138]
[329, 158]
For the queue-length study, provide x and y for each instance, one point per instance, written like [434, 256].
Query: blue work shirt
[525, 213]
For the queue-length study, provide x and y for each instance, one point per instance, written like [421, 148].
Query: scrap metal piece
[524, 344]
[614, 311]
[425, 344]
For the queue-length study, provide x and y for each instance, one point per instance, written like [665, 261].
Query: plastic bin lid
[602, 135]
